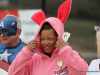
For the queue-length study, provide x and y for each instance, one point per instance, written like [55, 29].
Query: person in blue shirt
[10, 30]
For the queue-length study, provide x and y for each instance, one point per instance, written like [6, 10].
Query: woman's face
[48, 41]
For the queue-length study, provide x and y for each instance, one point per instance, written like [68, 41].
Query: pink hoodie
[30, 63]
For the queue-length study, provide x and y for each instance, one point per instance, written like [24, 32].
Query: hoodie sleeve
[73, 60]
[21, 64]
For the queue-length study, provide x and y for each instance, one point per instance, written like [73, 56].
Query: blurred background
[84, 15]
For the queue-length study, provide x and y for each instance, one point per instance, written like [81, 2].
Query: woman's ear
[18, 32]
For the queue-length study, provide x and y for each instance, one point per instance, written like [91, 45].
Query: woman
[54, 56]
[94, 67]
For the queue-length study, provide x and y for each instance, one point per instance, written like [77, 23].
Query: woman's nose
[46, 42]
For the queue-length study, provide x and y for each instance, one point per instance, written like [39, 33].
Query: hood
[56, 23]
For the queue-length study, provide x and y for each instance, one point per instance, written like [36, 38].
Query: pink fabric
[29, 63]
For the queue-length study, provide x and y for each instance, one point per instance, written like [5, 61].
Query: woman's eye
[49, 38]
[42, 39]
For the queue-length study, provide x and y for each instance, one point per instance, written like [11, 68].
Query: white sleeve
[94, 68]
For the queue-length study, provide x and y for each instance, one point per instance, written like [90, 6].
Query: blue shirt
[8, 54]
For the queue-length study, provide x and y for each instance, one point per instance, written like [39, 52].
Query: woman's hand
[60, 43]
[32, 45]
